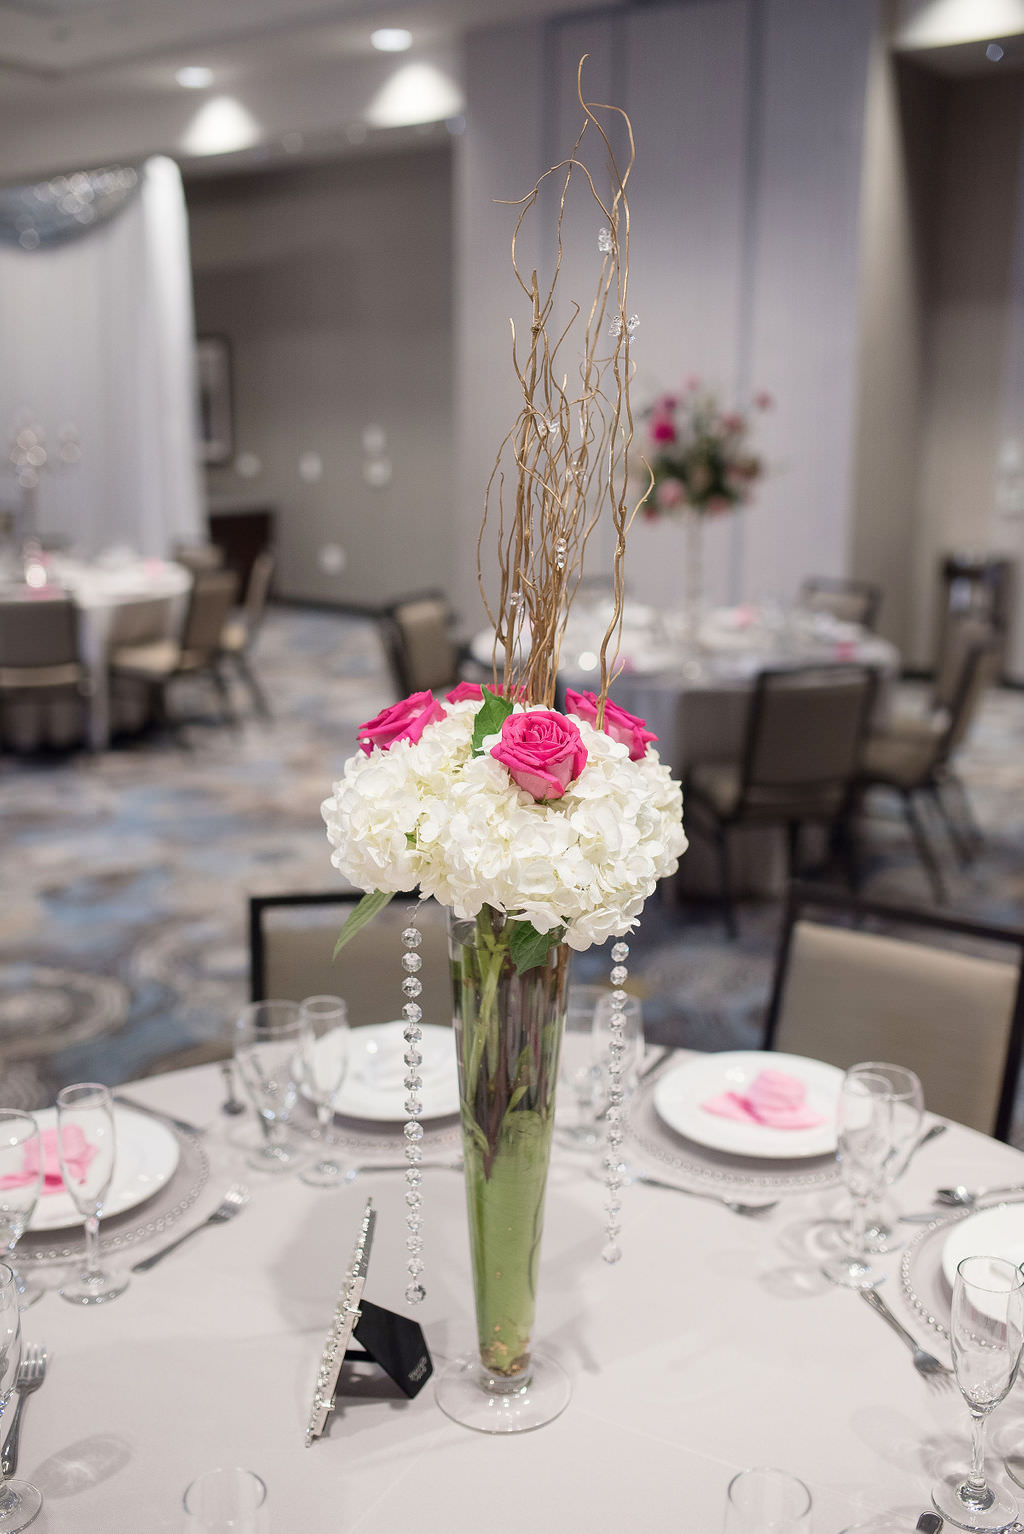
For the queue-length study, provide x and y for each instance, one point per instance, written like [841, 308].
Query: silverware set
[233, 1202]
[31, 1374]
[931, 1369]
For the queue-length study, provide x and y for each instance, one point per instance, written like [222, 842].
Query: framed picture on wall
[216, 406]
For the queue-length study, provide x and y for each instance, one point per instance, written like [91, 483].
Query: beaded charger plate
[157, 1215]
[701, 1167]
[923, 1285]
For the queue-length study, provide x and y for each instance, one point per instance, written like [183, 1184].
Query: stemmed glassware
[20, 1501]
[864, 1143]
[268, 1038]
[323, 1064]
[21, 1182]
[986, 1333]
[908, 1111]
[86, 1149]
[583, 1059]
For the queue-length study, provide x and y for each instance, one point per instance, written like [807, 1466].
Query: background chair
[198, 557]
[804, 734]
[418, 638]
[239, 632]
[844, 994]
[292, 937]
[913, 755]
[160, 662]
[849, 601]
[43, 683]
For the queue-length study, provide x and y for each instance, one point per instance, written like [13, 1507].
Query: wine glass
[86, 1149]
[268, 1037]
[579, 1073]
[323, 1064]
[20, 1501]
[632, 1039]
[986, 1333]
[21, 1182]
[908, 1110]
[864, 1142]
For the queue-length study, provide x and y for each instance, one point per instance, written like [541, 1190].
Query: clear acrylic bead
[620, 953]
[414, 1198]
[413, 1224]
[613, 1208]
[415, 1294]
[412, 937]
[414, 1245]
[413, 1153]
[411, 962]
[613, 1115]
[619, 999]
[413, 1105]
[611, 1231]
[614, 1096]
[412, 1012]
[413, 1131]
[414, 1267]
[413, 1057]
[411, 986]
[611, 1252]
[412, 1033]
[413, 1176]
[619, 974]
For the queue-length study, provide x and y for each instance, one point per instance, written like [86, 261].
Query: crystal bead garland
[613, 1167]
[412, 988]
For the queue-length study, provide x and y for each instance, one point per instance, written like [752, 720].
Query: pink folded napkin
[773, 1099]
[77, 1153]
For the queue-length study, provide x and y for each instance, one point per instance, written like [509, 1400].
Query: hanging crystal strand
[412, 988]
[613, 1167]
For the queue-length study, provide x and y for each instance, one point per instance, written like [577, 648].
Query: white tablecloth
[712, 1346]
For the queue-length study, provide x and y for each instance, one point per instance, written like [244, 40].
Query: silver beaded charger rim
[152, 1218]
[692, 1163]
[367, 1140]
[923, 1285]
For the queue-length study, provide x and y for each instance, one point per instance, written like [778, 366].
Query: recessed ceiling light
[391, 39]
[221, 126]
[194, 77]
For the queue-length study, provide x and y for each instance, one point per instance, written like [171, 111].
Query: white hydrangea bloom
[432, 814]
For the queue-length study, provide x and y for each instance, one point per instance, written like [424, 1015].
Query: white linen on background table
[709, 1348]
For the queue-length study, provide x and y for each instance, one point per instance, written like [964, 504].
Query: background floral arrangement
[699, 454]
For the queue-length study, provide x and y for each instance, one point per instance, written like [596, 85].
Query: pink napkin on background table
[773, 1100]
[78, 1153]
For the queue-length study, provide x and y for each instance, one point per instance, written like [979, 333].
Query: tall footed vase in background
[693, 580]
[508, 1033]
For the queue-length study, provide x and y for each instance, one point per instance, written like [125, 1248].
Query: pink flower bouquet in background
[699, 454]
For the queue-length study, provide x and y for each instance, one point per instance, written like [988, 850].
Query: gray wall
[333, 284]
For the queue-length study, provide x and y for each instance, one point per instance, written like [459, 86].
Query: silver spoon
[963, 1198]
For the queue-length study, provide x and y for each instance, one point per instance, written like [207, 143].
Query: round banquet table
[713, 1345]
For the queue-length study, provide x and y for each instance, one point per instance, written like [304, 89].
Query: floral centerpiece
[542, 830]
[699, 453]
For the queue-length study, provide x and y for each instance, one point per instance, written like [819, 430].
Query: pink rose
[662, 429]
[466, 690]
[669, 493]
[543, 751]
[402, 721]
[626, 728]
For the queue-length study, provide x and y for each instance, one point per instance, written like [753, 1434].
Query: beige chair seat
[160, 658]
[234, 636]
[903, 754]
[40, 678]
[721, 784]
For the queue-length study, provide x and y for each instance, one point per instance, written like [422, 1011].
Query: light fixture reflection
[194, 77]
[221, 126]
[415, 93]
[391, 39]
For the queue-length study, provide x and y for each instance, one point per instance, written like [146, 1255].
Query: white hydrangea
[431, 814]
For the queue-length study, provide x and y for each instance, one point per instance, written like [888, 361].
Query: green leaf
[364, 911]
[490, 718]
[528, 947]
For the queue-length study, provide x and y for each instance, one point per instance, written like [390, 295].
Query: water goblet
[323, 1064]
[632, 1038]
[228, 1500]
[579, 1073]
[763, 1501]
[20, 1501]
[864, 1141]
[986, 1333]
[86, 1149]
[908, 1110]
[21, 1182]
[268, 1037]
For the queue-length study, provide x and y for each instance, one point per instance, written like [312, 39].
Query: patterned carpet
[123, 878]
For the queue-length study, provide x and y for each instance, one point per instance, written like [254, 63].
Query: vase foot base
[463, 1396]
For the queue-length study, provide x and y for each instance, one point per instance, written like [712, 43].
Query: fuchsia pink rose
[662, 429]
[543, 751]
[401, 721]
[473, 690]
[626, 728]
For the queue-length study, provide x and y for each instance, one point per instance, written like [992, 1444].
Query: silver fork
[233, 1202]
[927, 1365]
[716, 1198]
[31, 1373]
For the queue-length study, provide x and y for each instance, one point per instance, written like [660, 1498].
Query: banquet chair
[291, 942]
[804, 733]
[913, 754]
[847, 993]
[40, 669]
[418, 638]
[199, 557]
[239, 632]
[847, 600]
[160, 662]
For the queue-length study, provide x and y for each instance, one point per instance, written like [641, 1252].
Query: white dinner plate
[995, 1232]
[374, 1087]
[146, 1158]
[679, 1094]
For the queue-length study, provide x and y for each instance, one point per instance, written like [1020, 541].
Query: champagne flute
[21, 1182]
[864, 1142]
[323, 1064]
[20, 1501]
[908, 1110]
[268, 1037]
[986, 1333]
[86, 1149]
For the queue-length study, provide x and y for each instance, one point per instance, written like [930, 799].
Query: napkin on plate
[773, 1100]
[77, 1153]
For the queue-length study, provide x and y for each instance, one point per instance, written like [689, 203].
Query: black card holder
[395, 1343]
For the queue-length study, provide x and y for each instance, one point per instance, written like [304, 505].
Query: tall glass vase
[508, 1032]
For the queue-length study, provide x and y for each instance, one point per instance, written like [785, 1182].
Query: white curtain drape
[97, 334]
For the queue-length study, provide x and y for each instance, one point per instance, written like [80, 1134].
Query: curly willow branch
[565, 463]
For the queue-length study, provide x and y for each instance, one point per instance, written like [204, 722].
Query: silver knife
[157, 1113]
